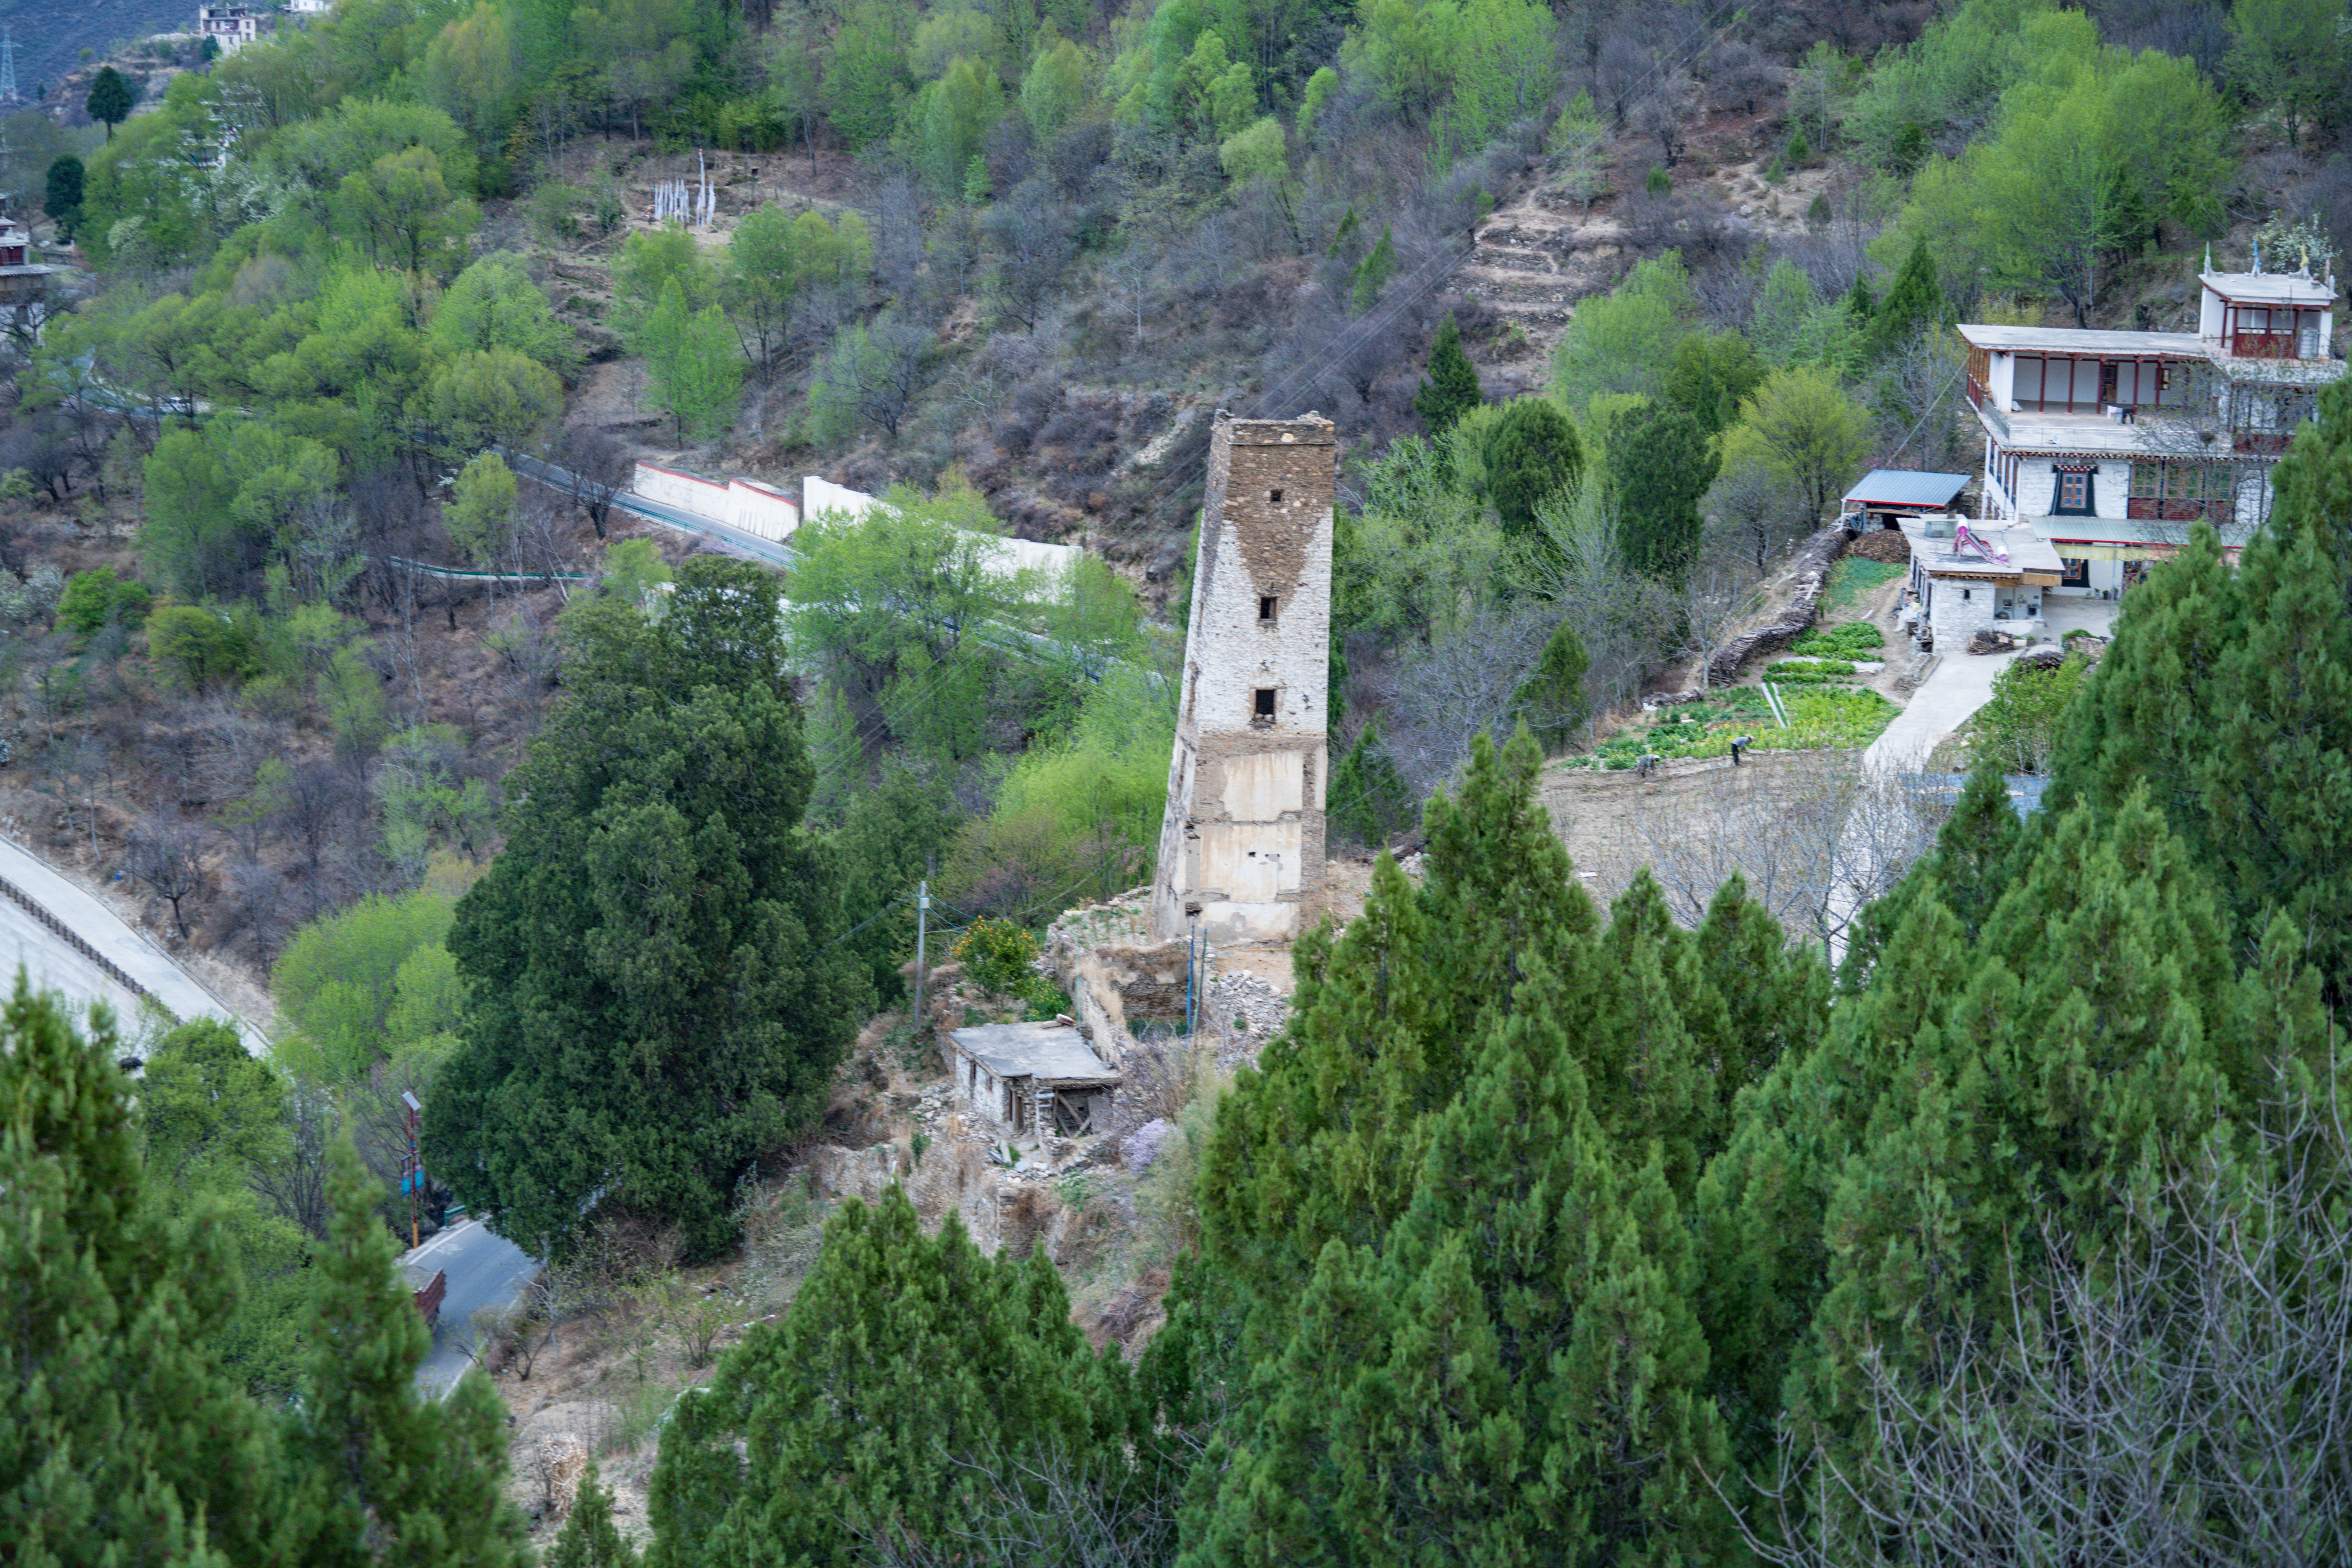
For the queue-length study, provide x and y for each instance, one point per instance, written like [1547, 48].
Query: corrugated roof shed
[1907, 488]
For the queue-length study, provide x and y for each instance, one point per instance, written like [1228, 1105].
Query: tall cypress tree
[1915, 300]
[1532, 455]
[120, 1439]
[1660, 463]
[590, 1539]
[2232, 698]
[1451, 389]
[390, 1475]
[654, 999]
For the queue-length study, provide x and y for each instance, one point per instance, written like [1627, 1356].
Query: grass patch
[1853, 578]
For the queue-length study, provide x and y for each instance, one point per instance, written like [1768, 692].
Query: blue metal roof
[1907, 488]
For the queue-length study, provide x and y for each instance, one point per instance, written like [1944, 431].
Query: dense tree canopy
[655, 997]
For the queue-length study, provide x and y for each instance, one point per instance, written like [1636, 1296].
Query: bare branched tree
[1463, 684]
[1031, 1508]
[1719, 591]
[167, 854]
[2180, 1394]
[1815, 837]
[1917, 402]
[599, 467]
[1759, 508]
[1622, 617]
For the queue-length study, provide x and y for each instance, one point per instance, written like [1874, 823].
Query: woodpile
[1990, 641]
[1885, 544]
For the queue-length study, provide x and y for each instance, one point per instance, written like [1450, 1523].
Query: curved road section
[88, 953]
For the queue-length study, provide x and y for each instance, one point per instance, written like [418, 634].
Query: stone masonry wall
[1241, 842]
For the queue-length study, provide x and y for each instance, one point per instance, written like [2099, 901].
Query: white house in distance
[231, 26]
[2109, 445]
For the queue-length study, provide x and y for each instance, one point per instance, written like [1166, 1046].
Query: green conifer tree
[1915, 300]
[1532, 455]
[906, 1367]
[389, 1474]
[1348, 239]
[1660, 463]
[2275, 770]
[109, 99]
[1552, 701]
[1371, 800]
[1451, 388]
[121, 1440]
[1373, 273]
[650, 961]
[590, 1539]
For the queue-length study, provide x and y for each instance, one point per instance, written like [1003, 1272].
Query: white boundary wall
[751, 505]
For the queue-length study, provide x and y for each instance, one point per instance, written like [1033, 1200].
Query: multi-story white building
[2110, 446]
[232, 27]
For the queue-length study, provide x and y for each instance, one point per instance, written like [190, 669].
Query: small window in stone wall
[1266, 606]
[1274, 498]
[1262, 706]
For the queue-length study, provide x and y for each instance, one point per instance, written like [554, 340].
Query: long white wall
[751, 505]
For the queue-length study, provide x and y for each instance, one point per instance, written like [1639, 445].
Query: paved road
[485, 1270]
[54, 962]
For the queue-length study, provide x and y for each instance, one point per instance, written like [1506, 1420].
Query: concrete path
[1960, 685]
[485, 1270]
[57, 963]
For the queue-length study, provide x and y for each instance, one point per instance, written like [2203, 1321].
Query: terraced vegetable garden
[1824, 711]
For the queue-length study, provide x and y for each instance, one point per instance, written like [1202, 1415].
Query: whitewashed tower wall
[1240, 848]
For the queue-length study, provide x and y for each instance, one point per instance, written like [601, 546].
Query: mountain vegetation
[1544, 1231]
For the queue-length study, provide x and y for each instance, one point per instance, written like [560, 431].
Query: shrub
[1000, 958]
[94, 597]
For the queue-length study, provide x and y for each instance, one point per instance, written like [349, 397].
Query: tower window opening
[1273, 497]
[1264, 704]
[1266, 606]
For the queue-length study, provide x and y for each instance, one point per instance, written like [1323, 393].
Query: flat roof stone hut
[1033, 1077]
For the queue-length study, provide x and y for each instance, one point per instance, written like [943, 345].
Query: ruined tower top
[1241, 849]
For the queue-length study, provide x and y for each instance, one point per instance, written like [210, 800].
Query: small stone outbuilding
[1033, 1078]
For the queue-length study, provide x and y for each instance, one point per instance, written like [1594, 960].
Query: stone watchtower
[1241, 849]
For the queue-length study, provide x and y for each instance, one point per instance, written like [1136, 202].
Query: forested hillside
[1544, 1232]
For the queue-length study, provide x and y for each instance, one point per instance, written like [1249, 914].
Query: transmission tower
[7, 67]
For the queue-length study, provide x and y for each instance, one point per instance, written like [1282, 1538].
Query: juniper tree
[1552, 701]
[1660, 463]
[121, 1438]
[1532, 455]
[1451, 389]
[653, 998]
[1914, 301]
[909, 1368]
[2232, 698]
[590, 1539]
